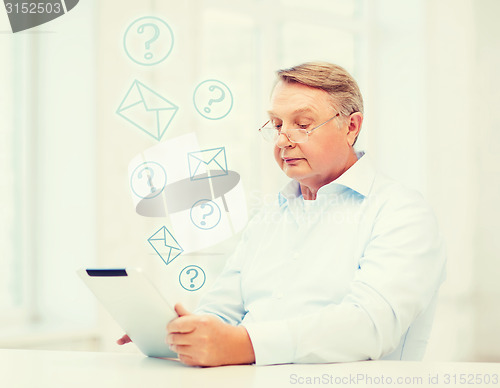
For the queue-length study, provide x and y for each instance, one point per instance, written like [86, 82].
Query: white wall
[451, 153]
[462, 98]
[485, 126]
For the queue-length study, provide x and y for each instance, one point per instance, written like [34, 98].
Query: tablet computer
[135, 304]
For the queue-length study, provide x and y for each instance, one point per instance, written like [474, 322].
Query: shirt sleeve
[399, 274]
[224, 299]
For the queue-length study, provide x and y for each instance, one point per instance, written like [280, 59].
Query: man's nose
[283, 141]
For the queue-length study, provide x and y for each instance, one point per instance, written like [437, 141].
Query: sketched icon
[148, 41]
[192, 278]
[165, 245]
[213, 99]
[205, 214]
[148, 180]
[209, 163]
[147, 110]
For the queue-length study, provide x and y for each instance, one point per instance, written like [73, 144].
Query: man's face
[327, 153]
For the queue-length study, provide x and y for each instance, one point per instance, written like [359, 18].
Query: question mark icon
[187, 275]
[148, 40]
[205, 214]
[203, 205]
[140, 30]
[148, 170]
[194, 277]
[212, 100]
[151, 174]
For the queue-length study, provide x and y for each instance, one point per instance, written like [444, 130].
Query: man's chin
[293, 172]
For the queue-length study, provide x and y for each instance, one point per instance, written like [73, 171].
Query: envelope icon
[147, 110]
[165, 245]
[209, 163]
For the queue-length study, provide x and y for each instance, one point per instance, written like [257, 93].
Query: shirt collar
[359, 177]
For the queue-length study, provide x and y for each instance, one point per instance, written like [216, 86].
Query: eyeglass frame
[306, 132]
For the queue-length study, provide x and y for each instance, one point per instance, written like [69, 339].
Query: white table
[54, 369]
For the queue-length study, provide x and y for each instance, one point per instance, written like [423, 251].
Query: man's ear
[354, 126]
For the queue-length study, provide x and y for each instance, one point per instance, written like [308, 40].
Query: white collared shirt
[352, 275]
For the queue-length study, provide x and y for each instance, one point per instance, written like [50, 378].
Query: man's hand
[204, 340]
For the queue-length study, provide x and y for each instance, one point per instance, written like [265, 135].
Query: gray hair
[333, 79]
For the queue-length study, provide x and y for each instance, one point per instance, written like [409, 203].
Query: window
[47, 164]
[14, 290]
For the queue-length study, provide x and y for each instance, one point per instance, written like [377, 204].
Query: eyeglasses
[271, 133]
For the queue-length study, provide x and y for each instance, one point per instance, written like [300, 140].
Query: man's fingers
[187, 360]
[178, 339]
[181, 310]
[184, 350]
[184, 325]
[124, 340]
